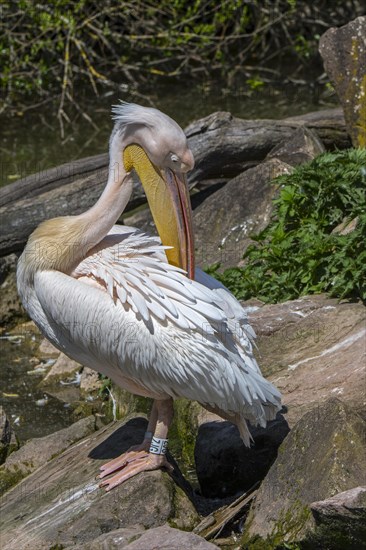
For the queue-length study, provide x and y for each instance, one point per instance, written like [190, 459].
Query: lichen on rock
[322, 456]
[344, 53]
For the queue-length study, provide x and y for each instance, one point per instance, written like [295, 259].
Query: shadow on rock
[130, 434]
[225, 466]
[120, 440]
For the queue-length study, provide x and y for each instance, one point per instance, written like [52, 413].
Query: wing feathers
[136, 275]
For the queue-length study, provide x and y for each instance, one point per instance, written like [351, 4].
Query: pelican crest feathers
[130, 113]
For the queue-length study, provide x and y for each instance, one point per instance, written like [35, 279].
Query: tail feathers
[244, 430]
[270, 411]
[257, 414]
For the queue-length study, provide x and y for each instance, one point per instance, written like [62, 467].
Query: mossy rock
[186, 516]
[184, 429]
[127, 403]
[343, 53]
[322, 456]
[10, 477]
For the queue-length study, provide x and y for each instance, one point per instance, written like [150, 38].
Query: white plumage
[120, 307]
[141, 321]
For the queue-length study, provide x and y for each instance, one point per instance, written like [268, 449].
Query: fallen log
[21, 217]
[224, 146]
[49, 179]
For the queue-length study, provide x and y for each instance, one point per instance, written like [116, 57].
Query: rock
[328, 124]
[127, 403]
[340, 520]
[322, 455]
[303, 146]
[224, 222]
[36, 452]
[64, 504]
[70, 394]
[166, 538]
[114, 540]
[344, 54]
[8, 440]
[64, 368]
[224, 146]
[137, 538]
[142, 219]
[46, 348]
[11, 309]
[184, 429]
[89, 381]
[313, 348]
[225, 466]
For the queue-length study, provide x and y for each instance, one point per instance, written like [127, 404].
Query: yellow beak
[168, 197]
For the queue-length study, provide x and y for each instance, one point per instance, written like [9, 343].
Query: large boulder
[170, 539]
[159, 538]
[226, 219]
[313, 348]
[64, 504]
[322, 456]
[36, 452]
[340, 521]
[302, 146]
[344, 54]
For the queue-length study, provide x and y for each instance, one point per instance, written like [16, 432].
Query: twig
[213, 524]
[65, 80]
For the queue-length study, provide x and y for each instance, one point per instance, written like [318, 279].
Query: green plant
[61, 49]
[316, 239]
[104, 390]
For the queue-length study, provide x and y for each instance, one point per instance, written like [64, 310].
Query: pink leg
[143, 460]
[136, 451]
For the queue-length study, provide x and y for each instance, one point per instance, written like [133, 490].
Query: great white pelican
[133, 306]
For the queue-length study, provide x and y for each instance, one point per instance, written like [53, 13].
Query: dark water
[32, 412]
[31, 142]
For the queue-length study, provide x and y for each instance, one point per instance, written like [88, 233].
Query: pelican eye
[174, 158]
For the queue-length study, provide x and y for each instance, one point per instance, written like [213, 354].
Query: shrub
[316, 239]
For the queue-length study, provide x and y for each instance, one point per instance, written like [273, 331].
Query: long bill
[168, 197]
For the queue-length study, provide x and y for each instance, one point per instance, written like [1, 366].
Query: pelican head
[156, 148]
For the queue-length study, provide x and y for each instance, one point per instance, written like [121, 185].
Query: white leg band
[158, 446]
